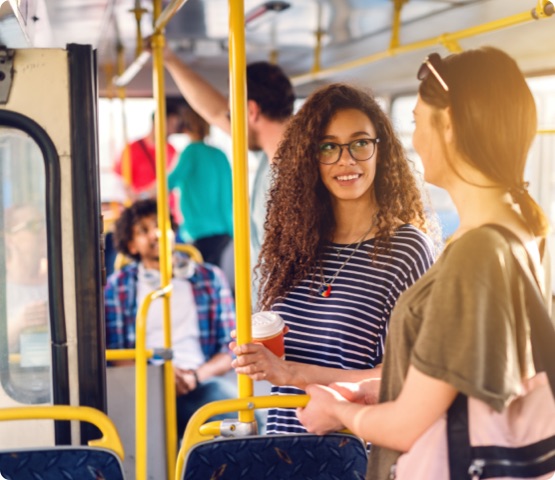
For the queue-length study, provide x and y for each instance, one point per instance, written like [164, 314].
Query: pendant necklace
[325, 287]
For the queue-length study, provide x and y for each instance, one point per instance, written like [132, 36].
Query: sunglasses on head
[429, 65]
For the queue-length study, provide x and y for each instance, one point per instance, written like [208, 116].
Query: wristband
[195, 374]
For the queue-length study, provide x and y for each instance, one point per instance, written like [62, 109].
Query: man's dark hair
[174, 106]
[123, 233]
[270, 88]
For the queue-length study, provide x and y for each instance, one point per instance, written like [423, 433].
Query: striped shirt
[347, 330]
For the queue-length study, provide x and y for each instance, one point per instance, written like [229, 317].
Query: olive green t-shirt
[463, 322]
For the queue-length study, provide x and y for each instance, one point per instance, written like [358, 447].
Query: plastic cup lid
[266, 324]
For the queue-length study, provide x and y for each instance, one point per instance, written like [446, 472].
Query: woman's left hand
[318, 416]
[259, 363]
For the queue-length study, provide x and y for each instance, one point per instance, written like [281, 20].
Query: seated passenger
[202, 312]
[352, 241]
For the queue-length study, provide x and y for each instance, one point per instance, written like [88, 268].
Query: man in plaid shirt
[202, 312]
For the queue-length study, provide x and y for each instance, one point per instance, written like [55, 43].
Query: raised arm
[208, 102]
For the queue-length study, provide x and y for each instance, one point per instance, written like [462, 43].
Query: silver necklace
[325, 287]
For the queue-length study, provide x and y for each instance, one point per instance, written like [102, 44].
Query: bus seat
[101, 459]
[190, 250]
[295, 456]
[231, 454]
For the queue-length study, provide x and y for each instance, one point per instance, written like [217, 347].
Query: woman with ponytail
[463, 326]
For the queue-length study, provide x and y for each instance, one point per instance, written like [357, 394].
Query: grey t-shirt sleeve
[469, 330]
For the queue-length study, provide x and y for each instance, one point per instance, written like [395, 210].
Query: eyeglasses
[430, 65]
[360, 150]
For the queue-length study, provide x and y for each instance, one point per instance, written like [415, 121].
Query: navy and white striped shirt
[347, 329]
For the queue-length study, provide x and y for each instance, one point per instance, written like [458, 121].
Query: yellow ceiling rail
[447, 39]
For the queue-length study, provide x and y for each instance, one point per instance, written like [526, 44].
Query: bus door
[51, 303]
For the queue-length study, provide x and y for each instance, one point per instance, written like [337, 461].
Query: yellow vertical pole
[126, 168]
[238, 99]
[164, 225]
[396, 23]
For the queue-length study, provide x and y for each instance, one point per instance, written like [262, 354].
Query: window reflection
[24, 274]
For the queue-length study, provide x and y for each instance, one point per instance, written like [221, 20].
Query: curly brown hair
[299, 218]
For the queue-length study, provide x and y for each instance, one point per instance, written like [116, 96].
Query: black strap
[458, 439]
[542, 338]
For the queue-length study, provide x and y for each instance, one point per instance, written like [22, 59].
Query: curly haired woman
[352, 242]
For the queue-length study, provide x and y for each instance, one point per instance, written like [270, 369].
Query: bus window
[25, 371]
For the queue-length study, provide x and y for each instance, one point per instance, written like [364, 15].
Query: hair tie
[520, 190]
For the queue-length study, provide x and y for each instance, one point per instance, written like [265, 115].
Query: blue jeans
[216, 388]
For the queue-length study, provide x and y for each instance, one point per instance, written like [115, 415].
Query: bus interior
[77, 84]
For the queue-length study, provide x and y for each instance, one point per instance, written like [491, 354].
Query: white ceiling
[351, 29]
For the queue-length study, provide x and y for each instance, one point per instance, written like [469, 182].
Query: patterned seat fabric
[60, 463]
[277, 457]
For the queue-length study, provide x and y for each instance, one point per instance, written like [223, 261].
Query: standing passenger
[344, 239]
[462, 327]
[142, 158]
[269, 106]
[203, 178]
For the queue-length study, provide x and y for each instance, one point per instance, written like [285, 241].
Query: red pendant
[325, 290]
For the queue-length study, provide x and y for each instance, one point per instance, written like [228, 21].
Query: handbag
[472, 441]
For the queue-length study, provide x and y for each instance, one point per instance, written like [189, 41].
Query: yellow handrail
[126, 354]
[109, 440]
[195, 433]
[546, 131]
[447, 39]
[141, 394]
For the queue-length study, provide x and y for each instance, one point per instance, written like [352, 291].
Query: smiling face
[347, 179]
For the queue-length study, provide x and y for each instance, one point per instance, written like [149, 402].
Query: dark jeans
[212, 248]
[211, 390]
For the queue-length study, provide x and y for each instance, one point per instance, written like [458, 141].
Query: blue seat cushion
[276, 457]
[60, 463]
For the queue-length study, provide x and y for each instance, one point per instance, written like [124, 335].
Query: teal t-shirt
[203, 178]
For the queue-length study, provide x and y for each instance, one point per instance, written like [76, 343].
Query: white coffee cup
[268, 328]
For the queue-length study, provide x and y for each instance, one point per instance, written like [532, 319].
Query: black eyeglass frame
[430, 65]
[374, 141]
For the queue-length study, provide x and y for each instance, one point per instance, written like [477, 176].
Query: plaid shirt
[215, 308]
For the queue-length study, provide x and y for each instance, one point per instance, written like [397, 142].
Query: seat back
[298, 456]
[55, 463]
[101, 459]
